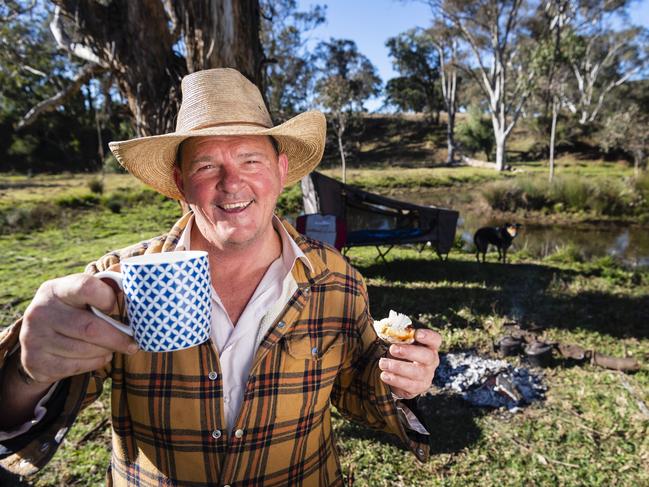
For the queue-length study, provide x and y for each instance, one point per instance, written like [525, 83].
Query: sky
[371, 22]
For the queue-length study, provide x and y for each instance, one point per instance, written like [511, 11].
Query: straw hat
[222, 102]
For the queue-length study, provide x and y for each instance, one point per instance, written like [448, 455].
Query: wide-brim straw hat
[222, 102]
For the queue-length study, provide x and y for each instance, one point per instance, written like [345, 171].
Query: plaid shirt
[167, 411]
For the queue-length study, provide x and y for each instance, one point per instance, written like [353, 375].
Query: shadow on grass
[451, 421]
[525, 292]
[10, 480]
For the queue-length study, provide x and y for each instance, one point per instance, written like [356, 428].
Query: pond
[629, 244]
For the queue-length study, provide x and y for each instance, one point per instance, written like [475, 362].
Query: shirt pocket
[309, 366]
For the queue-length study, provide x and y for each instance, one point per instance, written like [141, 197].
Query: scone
[396, 328]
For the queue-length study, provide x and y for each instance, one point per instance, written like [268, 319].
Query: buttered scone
[396, 328]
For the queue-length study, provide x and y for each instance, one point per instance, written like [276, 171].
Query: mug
[167, 299]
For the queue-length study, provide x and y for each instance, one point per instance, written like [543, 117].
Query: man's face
[232, 184]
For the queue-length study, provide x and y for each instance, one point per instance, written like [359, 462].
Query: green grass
[589, 431]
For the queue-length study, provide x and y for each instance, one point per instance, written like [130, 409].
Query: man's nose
[230, 180]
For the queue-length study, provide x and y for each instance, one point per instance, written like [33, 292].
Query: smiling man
[291, 332]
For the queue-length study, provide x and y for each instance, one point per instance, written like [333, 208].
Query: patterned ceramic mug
[167, 299]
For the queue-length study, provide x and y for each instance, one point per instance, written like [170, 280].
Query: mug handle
[117, 278]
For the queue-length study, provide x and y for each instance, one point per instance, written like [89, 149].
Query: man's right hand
[61, 338]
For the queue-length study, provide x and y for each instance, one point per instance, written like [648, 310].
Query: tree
[147, 46]
[445, 40]
[289, 70]
[31, 68]
[415, 58]
[347, 80]
[627, 129]
[600, 57]
[495, 36]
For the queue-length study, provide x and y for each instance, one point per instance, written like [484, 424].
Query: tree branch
[50, 104]
[65, 43]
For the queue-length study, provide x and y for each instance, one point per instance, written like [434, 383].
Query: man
[291, 329]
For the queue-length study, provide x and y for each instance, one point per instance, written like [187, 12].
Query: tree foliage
[416, 60]
[289, 70]
[347, 79]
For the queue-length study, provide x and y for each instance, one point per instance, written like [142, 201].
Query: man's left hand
[411, 369]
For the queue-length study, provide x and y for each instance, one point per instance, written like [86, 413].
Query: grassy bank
[589, 431]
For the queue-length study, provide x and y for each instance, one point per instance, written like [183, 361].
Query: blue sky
[370, 22]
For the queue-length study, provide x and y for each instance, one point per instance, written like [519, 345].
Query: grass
[589, 431]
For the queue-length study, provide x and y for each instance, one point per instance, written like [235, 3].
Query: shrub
[96, 185]
[476, 133]
[27, 219]
[566, 254]
[610, 198]
[573, 192]
[84, 201]
[535, 193]
[502, 195]
[112, 166]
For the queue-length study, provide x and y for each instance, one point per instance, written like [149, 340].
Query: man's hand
[412, 369]
[60, 337]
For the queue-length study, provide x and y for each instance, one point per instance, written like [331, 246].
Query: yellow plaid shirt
[167, 412]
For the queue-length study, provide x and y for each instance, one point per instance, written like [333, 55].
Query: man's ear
[282, 161]
[178, 178]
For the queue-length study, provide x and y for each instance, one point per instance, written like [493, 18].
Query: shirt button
[216, 434]
[226, 399]
[226, 485]
[314, 351]
[281, 324]
[238, 433]
[213, 375]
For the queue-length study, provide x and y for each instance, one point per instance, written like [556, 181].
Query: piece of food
[396, 328]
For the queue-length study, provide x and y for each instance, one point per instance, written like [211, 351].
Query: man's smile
[235, 207]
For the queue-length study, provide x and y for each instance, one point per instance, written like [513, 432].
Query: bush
[610, 198]
[96, 185]
[112, 166]
[85, 201]
[27, 219]
[502, 195]
[573, 192]
[566, 254]
[476, 133]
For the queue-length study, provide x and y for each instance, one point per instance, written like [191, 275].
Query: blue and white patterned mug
[167, 299]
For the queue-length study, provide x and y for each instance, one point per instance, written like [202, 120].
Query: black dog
[501, 237]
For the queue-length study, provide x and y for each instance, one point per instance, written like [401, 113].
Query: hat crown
[220, 96]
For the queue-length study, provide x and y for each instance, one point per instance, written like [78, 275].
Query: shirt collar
[290, 249]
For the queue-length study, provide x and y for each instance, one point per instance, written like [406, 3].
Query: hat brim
[152, 159]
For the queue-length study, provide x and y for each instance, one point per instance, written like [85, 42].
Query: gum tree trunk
[137, 42]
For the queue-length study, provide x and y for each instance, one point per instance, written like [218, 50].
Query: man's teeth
[234, 206]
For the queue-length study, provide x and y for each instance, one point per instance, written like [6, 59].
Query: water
[628, 244]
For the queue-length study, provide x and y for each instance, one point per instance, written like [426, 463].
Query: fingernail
[395, 350]
[385, 376]
[420, 334]
[383, 363]
[132, 348]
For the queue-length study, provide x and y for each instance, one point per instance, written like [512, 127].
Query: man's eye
[206, 166]
[252, 161]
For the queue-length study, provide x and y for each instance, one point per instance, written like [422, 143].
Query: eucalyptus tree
[601, 56]
[147, 46]
[415, 58]
[288, 65]
[498, 61]
[347, 79]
